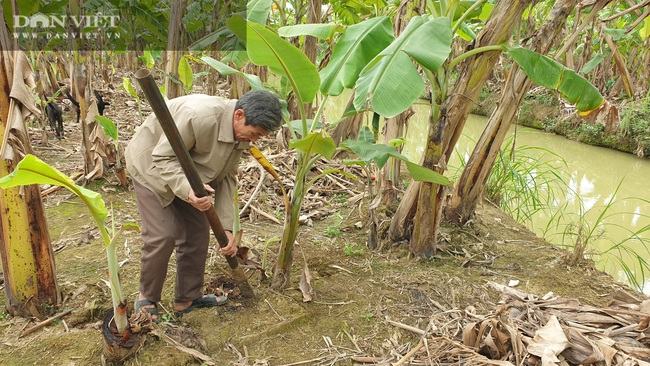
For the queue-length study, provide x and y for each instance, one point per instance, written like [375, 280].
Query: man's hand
[201, 203]
[230, 249]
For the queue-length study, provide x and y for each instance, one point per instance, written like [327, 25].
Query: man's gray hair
[262, 108]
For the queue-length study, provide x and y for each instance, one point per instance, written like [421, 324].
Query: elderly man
[215, 131]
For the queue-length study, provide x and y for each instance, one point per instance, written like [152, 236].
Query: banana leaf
[391, 83]
[555, 76]
[358, 45]
[266, 48]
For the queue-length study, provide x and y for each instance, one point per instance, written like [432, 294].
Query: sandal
[148, 307]
[205, 301]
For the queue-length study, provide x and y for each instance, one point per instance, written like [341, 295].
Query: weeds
[636, 124]
[583, 231]
[591, 134]
[339, 198]
[351, 251]
[527, 181]
[333, 230]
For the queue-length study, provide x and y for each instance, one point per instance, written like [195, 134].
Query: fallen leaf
[548, 342]
[305, 284]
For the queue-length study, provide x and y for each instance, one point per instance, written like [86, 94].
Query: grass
[635, 123]
[334, 230]
[588, 234]
[339, 198]
[527, 182]
[350, 250]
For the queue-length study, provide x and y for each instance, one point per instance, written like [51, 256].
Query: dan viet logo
[41, 26]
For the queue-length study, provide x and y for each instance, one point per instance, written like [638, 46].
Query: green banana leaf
[486, 9]
[466, 32]
[296, 125]
[315, 143]
[225, 70]
[109, 127]
[25, 8]
[391, 83]
[358, 45]
[320, 31]
[366, 135]
[555, 76]
[379, 154]
[257, 11]
[265, 48]
[594, 62]
[461, 8]
[149, 60]
[185, 74]
[370, 151]
[128, 86]
[32, 170]
[205, 41]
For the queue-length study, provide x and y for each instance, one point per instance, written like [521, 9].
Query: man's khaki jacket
[205, 124]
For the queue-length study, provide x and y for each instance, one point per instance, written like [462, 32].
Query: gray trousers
[178, 226]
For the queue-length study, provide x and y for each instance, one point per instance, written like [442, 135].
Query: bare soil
[359, 295]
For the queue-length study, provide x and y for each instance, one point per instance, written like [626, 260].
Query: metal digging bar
[146, 81]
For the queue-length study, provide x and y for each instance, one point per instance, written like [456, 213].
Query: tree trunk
[644, 76]
[429, 203]
[396, 126]
[625, 77]
[310, 48]
[313, 17]
[174, 47]
[92, 168]
[389, 176]
[25, 250]
[349, 127]
[470, 186]
[473, 74]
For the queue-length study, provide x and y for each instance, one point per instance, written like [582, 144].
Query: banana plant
[128, 86]
[225, 70]
[372, 153]
[150, 57]
[32, 170]
[391, 80]
[266, 48]
[110, 128]
[423, 199]
[186, 74]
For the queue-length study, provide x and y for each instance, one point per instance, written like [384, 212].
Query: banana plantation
[351, 251]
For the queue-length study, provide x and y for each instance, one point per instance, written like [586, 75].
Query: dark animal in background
[74, 103]
[55, 117]
[101, 104]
